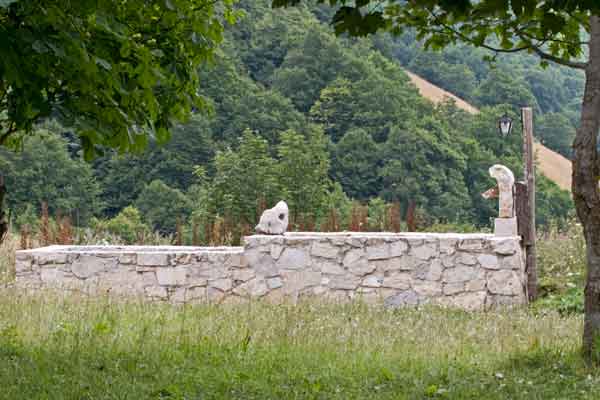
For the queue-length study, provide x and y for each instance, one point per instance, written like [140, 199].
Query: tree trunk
[3, 223]
[586, 194]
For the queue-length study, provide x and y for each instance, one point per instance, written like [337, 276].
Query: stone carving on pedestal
[274, 221]
[506, 223]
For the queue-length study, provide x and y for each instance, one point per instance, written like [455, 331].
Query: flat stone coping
[131, 250]
[391, 235]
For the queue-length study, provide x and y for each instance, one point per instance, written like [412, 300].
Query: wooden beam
[529, 177]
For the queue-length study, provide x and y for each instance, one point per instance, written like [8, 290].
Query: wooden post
[3, 223]
[529, 177]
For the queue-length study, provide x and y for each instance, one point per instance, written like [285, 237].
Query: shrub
[127, 225]
[161, 205]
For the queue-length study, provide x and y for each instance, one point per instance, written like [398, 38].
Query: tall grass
[81, 348]
[7, 258]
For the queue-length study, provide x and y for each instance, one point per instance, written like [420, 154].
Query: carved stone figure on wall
[274, 221]
[506, 223]
[506, 184]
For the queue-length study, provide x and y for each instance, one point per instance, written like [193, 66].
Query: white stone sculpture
[506, 223]
[506, 183]
[274, 221]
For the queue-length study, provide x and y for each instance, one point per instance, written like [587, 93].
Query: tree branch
[558, 60]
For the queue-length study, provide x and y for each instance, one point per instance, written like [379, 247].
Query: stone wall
[473, 271]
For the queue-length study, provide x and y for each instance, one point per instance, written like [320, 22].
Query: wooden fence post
[529, 177]
[3, 223]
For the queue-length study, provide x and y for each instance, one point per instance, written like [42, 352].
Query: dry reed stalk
[24, 245]
[178, 233]
[45, 227]
[411, 223]
[394, 220]
[65, 231]
[195, 234]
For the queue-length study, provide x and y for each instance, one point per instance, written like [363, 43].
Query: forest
[330, 124]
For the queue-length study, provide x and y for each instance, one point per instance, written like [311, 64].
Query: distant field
[553, 165]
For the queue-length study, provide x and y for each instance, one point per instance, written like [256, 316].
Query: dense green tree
[161, 206]
[500, 88]
[44, 171]
[422, 164]
[173, 163]
[312, 65]
[302, 172]
[555, 131]
[355, 162]
[243, 178]
[370, 103]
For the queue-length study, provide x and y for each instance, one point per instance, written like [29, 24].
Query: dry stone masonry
[469, 271]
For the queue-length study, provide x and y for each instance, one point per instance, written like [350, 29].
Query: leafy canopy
[550, 28]
[117, 71]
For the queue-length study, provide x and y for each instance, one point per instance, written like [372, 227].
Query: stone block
[505, 227]
[372, 281]
[23, 265]
[127, 259]
[448, 246]
[296, 281]
[324, 250]
[158, 292]
[488, 261]
[178, 296]
[400, 281]
[504, 282]
[237, 261]
[453, 288]
[243, 274]
[294, 258]
[511, 262]
[474, 301]
[458, 274]
[427, 289]
[223, 285]
[506, 247]
[152, 259]
[465, 259]
[475, 285]
[398, 248]
[408, 298]
[86, 266]
[262, 263]
[196, 294]
[430, 272]
[353, 256]
[425, 252]
[331, 268]
[470, 244]
[276, 250]
[254, 288]
[378, 251]
[171, 276]
[345, 282]
[274, 283]
[51, 258]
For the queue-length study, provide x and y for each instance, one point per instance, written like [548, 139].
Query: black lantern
[505, 125]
